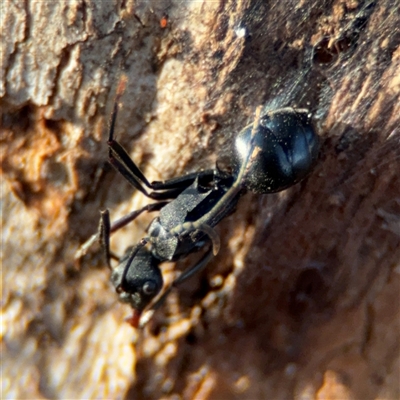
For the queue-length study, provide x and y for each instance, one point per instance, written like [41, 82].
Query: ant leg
[122, 162]
[213, 235]
[199, 225]
[182, 182]
[126, 172]
[118, 225]
[183, 277]
[104, 233]
[195, 269]
[125, 165]
[171, 188]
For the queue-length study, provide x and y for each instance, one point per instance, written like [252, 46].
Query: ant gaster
[269, 155]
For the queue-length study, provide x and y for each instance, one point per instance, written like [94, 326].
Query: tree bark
[303, 298]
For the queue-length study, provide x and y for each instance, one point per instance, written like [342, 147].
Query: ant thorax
[170, 246]
[164, 244]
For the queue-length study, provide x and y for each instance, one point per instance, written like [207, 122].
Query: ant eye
[149, 288]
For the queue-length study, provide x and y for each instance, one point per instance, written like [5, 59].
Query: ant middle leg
[106, 229]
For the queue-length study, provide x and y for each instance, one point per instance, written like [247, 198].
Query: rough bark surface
[303, 299]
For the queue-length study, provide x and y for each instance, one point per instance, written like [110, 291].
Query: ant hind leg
[200, 265]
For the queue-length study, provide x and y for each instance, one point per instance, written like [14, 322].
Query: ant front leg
[105, 228]
[104, 233]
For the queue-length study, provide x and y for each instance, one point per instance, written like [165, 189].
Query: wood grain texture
[303, 299]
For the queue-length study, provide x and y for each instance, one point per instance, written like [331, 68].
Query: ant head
[142, 282]
[281, 152]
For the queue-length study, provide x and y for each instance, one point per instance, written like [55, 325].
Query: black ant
[273, 153]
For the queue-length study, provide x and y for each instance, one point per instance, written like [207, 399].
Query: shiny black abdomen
[286, 148]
